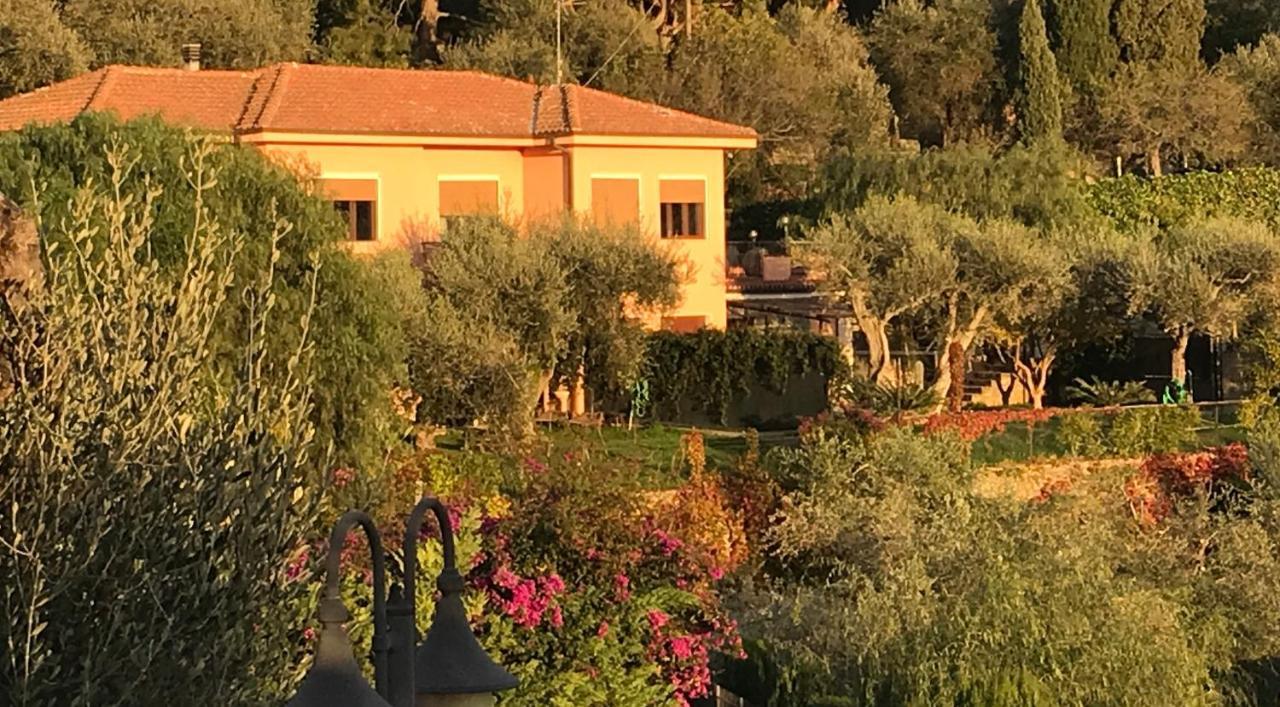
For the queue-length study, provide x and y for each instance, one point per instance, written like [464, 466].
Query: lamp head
[334, 679]
[450, 660]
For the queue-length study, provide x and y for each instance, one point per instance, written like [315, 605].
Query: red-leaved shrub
[975, 424]
[1163, 478]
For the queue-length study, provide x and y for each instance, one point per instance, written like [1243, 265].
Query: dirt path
[1024, 480]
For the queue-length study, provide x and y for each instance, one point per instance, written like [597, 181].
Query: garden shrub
[884, 561]
[1138, 431]
[358, 352]
[589, 588]
[152, 492]
[1096, 392]
[1081, 434]
[638, 617]
[707, 370]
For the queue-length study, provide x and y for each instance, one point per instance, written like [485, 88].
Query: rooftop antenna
[559, 58]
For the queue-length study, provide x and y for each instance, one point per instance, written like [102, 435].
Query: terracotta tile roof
[570, 109]
[203, 99]
[341, 99]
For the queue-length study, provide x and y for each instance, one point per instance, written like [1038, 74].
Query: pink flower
[667, 544]
[552, 584]
[682, 647]
[309, 633]
[717, 573]
[622, 587]
[343, 476]
[505, 578]
[603, 629]
[528, 601]
[657, 619]
[533, 466]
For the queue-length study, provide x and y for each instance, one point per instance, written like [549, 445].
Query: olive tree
[1081, 298]
[1201, 278]
[151, 494]
[887, 259]
[493, 328]
[512, 312]
[614, 279]
[998, 264]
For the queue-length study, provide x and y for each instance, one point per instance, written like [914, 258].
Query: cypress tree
[1085, 51]
[1161, 32]
[1040, 86]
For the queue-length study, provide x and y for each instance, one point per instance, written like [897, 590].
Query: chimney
[191, 56]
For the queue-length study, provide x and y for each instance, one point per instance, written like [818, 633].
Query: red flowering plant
[1164, 479]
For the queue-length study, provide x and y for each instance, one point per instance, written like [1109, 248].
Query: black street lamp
[448, 668]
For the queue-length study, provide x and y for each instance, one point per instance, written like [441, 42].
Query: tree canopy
[1202, 278]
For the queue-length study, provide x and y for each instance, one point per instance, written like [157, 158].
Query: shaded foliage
[706, 371]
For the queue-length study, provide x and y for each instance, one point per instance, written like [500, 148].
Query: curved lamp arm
[333, 576]
[412, 527]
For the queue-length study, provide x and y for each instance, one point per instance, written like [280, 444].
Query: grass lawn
[1017, 443]
[652, 453]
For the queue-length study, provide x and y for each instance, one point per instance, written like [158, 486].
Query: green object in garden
[1175, 393]
[641, 396]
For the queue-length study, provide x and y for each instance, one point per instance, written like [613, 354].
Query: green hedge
[707, 370]
[1131, 202]
[1129, 432]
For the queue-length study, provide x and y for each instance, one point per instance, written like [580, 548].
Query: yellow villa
[398, 150]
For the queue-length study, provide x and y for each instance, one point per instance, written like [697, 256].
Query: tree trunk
[965, 336]
[1034, 379]
[876, 330]
[1033, 374]
[426, 43]
[1178, 358]
[955, 392]
[1154, 163]
[879, 369]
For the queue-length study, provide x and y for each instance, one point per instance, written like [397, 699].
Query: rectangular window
[615, 201]
[683, 325]
[468, 198]
[359, 218]
[683, 208]
[356, 200]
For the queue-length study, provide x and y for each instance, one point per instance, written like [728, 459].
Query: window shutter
[682, 191]
[458, 198]
[350, 189]
[615, 201]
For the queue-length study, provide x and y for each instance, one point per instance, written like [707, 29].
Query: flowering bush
[603, 595]
[588, 590]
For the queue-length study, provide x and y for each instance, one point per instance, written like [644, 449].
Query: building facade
[401, 152]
